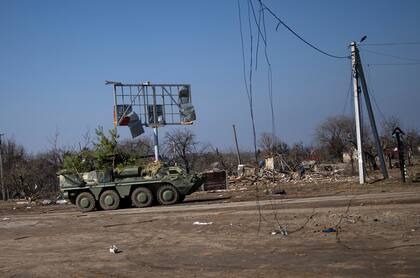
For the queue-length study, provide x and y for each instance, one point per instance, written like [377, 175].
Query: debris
[278, 191]
[114, 249]
[202, 223]
[307, 174]
[28, 207]
[282, 232]
[6, 218]
[61, 202]
[46, 202]
[123, 224]
[416, 177]
[22, 203]
[413, 230]
[22, 237]
[329, 230]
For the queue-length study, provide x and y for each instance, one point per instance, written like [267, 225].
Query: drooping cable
[348, 94]
[391, 43]
[281, 22]
[390, 55]
[394, 64]
[250, 98]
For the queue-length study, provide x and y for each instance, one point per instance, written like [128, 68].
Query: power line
[394, 64]
[243, 50]
[348, 93]
[250, 100]
[392, 56]
[263, 34]
[280, 21]
[370, 87]
[392, 43]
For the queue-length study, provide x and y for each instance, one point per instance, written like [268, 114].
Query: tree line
[35, 175]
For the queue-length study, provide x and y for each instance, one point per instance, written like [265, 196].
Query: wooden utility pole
[3, 191]
[237, 147]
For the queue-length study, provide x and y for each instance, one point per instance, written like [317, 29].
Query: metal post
[236, 144]
[400, 145]
[3, 191]
[378, 146]
[356, 91]
[155, 128]
[156, 142]
[115, 108]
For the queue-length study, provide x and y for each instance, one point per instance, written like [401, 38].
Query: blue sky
[55, 56]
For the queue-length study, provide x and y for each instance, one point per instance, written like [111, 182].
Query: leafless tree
[297, 154]
[179, 147]
[388, 125]
[272, 145]
[334, 134]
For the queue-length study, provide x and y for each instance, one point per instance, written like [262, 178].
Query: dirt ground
[378, 235]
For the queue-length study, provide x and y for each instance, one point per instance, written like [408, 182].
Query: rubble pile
[316, 175]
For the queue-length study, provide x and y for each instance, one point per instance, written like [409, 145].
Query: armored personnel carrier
[156, 183]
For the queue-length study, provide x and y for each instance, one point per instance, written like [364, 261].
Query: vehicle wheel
[72, 200]
[181, 198]
[142, 197]
[109, 200]
[167, 194]
[85, 201]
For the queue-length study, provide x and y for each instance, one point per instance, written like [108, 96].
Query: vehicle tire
[181, 198]
[142, 197]
[167, 194]
[72, 200]
[85, 202]
[109, 200]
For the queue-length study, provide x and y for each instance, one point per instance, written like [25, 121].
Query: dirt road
[378, 235]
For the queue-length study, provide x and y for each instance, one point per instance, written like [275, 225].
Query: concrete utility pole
[378, 146]
[356, 90]
[3, 191]
[357, 70]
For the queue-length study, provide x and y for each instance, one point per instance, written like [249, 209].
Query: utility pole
[357, 70]
[356, 91]
[398, 133]
[3, 191]
[237, 148]
[378, 146]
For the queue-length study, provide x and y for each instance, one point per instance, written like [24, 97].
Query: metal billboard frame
[151, 105]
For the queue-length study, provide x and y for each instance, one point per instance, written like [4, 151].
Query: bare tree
[334, 134]
[14, 166]
[272, 145]
[388, 126]
[179, 146]
[412, 141]
[297, 154]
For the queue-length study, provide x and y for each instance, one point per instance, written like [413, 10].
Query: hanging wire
[281, 22]
[372, 93]
[250, 100]
[392, 43]
[348, 94]
[390, 55]
[394, 64]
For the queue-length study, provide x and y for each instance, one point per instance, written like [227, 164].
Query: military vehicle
[144, 187]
